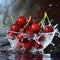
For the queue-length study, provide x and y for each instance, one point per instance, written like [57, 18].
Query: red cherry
[32, 41]
[27, 45]
[30, 32]
[20, 37]
[40, 46]
[25, 40]
[36, 45]
[31, 21]
[27, 28]
[35, 28]
[12, 35]
[48, 29]
[19, 45]
[42, 38]
[15, 28]
[21, 21]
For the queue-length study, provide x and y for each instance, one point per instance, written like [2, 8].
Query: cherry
[19, 45]
[40, 46]
[36, 45]
[31, 21]
[28, 45]
[25, 40]
[42, 38]
[20, 38]
[30, 32]
[12, 35]
[35, 28]
[21, 21]
[15, 28]
[27, 28]
[48, 29]
[26, 25]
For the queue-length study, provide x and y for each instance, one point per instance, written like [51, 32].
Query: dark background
[51, 6]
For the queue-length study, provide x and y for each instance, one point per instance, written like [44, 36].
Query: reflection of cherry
[19, 56]
[35, 28]
[15, 28]
[27, 56]
[48, 29]
[21, 21]
[38, 57]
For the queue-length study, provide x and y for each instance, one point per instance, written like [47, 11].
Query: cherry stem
[11, 18]
[48, 20]
[43, 19]
[27, 23]
[5, 25]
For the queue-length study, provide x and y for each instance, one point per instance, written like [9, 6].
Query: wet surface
[17, 55]
[27, 56]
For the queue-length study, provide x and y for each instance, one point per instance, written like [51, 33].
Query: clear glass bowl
[48, 37]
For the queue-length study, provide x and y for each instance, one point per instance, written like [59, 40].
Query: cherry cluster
[26, 31]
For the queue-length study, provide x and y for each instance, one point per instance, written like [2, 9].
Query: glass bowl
[43, 40]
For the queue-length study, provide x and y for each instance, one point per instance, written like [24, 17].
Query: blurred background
[36, 9]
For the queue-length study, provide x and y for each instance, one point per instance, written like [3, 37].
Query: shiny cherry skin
[28, 45]
[48, 29]
[20, 38]
[11, 34]
[14, 28]
[30, 32]
[35, 28]
[19, 45]
[36, 45]
[21, 21]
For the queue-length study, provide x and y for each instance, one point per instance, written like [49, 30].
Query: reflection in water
[28, 56]
[19, 56]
